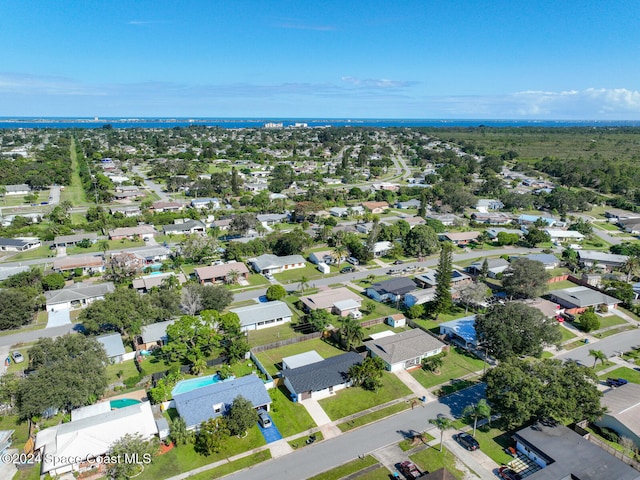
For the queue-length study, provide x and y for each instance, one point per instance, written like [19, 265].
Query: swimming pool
[123, 402]
[185, 386]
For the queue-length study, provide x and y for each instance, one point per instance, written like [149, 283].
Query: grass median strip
[346, 469]
[234, 466]
[373, 416]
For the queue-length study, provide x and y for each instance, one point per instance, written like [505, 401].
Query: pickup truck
[409, 470]
[616, 382]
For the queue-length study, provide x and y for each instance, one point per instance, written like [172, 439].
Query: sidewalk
[413, 385]
[327, 427]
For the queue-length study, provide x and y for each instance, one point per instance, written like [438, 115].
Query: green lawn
[32, 473]
[309, 271]
[185, 458]
[126, 369]
[289, 417]
[346, 469]
[624, 372]
[271, 359]
[380, 473]
[74, 191]
[381, 309]
[40, 252]
[300, 442]
[431, 459]
[611, 320]
[456, 364]
[231, 467]
[408, 444]
[630, 313]
[273, 334]
[373, 416]
[560, 285]
[113, 245]
[493, 441]
[567, 334]
[352, 400]
[606, 226]
[21, 434]
[615, 331]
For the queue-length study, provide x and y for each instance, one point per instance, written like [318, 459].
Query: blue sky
[499, 59]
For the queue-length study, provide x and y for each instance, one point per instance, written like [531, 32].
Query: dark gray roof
[197, 405]
[14, 242]
[395, 286]
[320, 375]
[581, 297]
[571, 456]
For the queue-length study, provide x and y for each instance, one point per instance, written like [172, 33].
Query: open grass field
[272, 359]
[456, 364]
[74, 191]
[355, 399]
[40, 252]
[272, 334]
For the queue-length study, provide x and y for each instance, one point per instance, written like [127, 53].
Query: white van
[353, 261]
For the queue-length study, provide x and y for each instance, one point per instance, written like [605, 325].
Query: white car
[17, 357]
[268, 276]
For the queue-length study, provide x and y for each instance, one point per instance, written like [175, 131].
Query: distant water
[9, 122]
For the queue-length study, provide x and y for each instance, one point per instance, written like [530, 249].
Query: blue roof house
[462, 331]
[213, 400]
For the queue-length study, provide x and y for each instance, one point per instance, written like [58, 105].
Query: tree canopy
[241, 416]
[16, 308]
[421, 241]
[521, 391]
[516, 329]
[525, 278]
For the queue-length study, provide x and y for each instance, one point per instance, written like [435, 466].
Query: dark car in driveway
[409, 470]
[467, 441]
[347, 269]
[616, 382]
[507, 474]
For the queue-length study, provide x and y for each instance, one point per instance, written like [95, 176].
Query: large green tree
[191, 337]
[443, 302]
[521, 391]
[138, 452]
[350, 332]
[16, 308]
[241, 416]
[421, 241]
[68, 372]
[525, 278]
[516, 329]
[368, 374]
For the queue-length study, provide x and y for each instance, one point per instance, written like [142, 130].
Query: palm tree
[104, 246]
[443, 423]
[597, 355]
[170, 282]
[303, 283]
[339, 252]
[232, 276]
[350, 331]
[631, 266]
[477, 410]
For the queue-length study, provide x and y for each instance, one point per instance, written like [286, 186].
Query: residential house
[419, 297]
[71, 240]
[380, 249]
[125, 192]
[19, 244]
[184, 227]
[126, 188]
[77, 295]
[327, 300]
[602, 260]
[214, 400]
[223, 224]
[347, 307]
[496, 267]
[268, 263]
[631, 226]
[616, 215]
[485, 205]
[375, 207]
[413, 221]
[153, 335]
[364, 228]
[391, 290]
[88, 264]
[160, 207]
[413, 203]
[325, 256]
[494, 232]
[459, 238]
[531, 219]
[549, 260]
[201, 203]
[561, 453]
[301, 359]
[346, 211]
[147, 282]
[547, 308]
[221, 273]
[64, 447]
[429, 279]
[447, 219]
[623, 411]
[256, 187]
[127, 211]
[113, 346]
[153, 255]
[461, 331]
[127, 261]
[578, 299]
[320, 379]
[391, 187]
[492, 218]
[564, 235]
[22, 189]
[404, 350]
[263, 315]
[270, 219]
[145, 232]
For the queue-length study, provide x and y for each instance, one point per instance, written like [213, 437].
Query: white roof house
[263, 315]
[91, 436]
[269, 263]
[561, 235]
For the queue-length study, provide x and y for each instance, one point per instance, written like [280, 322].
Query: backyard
[457, 364]
[272, 359]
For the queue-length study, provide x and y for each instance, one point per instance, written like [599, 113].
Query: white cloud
[377, 82]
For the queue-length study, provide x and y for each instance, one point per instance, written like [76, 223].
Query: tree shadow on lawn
[458, 401]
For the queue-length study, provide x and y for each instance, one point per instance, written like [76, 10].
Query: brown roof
[77, 262]
[461, 236]
[158, 205]
[218, 271]
[328, 298]
[373, 205]
[138, 230]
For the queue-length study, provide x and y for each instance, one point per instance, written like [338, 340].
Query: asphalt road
[33, 335]
[314, 459]
[610, 346]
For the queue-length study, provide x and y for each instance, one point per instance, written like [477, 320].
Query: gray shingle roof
[262, 312]
[196, 406]
[268, 261]
[403, 346]
[112, 344]
[395, 286]
[582, 297]
[78, 292]
[155, 331]
[318, 376]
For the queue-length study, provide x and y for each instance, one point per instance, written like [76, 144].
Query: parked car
[398, 262]
[507, 474]
[268, 276]
[263, 418]
[409, 470]
[353, 261]
[616, 382]
[17, 357]
[467, 441]
[347, 269]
